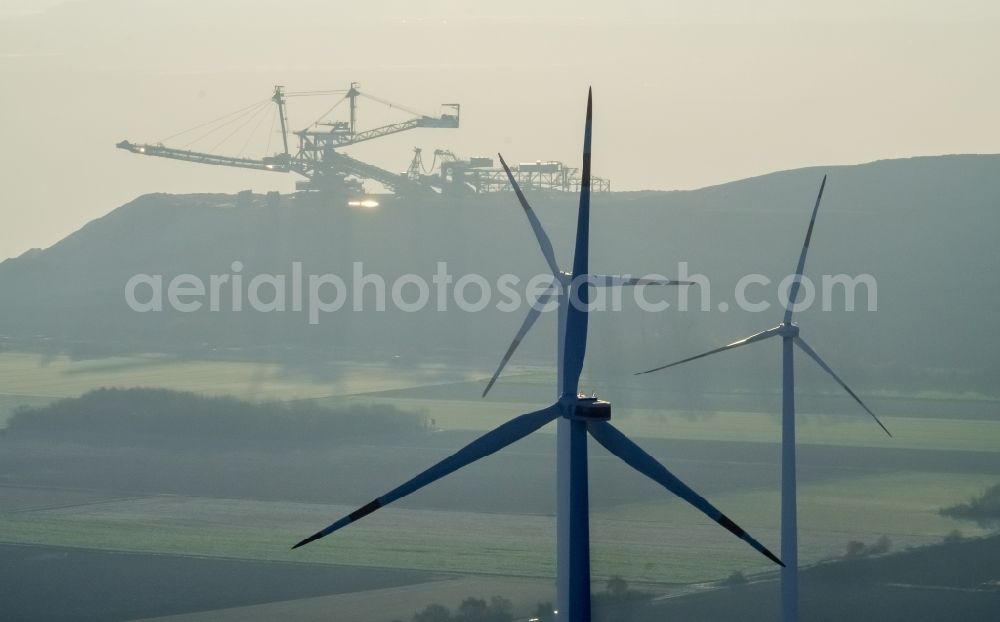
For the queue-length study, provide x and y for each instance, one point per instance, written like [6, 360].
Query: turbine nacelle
[585, 408]
[788, 329]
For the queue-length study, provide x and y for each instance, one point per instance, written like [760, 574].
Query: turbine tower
[789, 333]
[580, 415]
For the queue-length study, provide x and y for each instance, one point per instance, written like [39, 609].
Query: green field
[660, 541]
[33, 379]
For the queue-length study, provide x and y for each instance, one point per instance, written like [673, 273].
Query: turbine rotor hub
[789, 330]
[584, 408]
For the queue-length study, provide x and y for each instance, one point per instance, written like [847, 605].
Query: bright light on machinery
[365, 203]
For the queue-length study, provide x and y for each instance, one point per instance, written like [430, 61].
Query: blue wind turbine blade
[575, 348]
[793, 291]
[529, 321]
[543, 239]
[487, 444]
[633, 455]
[819, 361]
[762, 335]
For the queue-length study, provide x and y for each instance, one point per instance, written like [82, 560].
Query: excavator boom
[276, 163]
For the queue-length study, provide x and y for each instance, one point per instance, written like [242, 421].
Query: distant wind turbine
[789, 333]
[582, 415]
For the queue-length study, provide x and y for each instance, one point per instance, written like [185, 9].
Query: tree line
[162, 417]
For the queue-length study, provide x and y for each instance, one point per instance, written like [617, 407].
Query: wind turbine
[789, 333]
[558, 292]
[582, 415]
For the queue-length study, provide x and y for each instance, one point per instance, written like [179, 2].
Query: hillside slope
[925, 228]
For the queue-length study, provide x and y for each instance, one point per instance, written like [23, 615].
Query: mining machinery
[319, 157]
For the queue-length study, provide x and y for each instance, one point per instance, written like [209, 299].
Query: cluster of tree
[620, 602]
[161, 417]
[948, 581]
[735, 579]
[857, 548]
[984, 509]
[497, 609]
[617, 594]
[617, 591]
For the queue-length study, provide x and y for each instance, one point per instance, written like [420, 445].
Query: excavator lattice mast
[279, 99]
[320, 160]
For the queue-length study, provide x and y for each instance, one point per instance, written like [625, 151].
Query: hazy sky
[687, 94]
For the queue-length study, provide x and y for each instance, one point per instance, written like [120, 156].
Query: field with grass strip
[850, 429]
[35, 379]
[448, 396]
[661, 540]
[657, 541]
